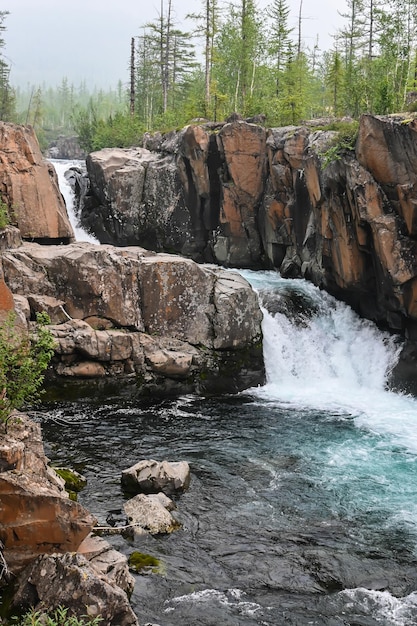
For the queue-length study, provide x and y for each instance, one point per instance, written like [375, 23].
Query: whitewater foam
[62, 166]
[334, 361]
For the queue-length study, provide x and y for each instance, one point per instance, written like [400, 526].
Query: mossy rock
[74, 482]
[145, 563]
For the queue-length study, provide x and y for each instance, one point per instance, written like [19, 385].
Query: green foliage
[58, 617]
[24, 358]
[250, 65]
[4, 215]
[344, 142]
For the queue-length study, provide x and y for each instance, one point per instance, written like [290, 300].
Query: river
[302, 507]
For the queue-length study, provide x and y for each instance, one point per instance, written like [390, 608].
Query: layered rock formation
[158, 320]
[127, 313]
[243, 196]
[36, 514]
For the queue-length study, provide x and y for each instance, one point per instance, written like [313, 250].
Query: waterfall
[320, 354]
[61, 167]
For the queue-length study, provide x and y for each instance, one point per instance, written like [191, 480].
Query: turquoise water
[302, 507]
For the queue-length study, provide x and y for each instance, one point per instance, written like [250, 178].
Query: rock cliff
[160, 321]
[243, 196]
[29, 187]
[49, 556]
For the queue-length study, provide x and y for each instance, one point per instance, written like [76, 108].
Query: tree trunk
[132, 77]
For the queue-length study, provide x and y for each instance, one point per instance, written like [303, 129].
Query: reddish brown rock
[132, 314]
[176, 296]
[195, 152]
[36, 515]
[29, 186]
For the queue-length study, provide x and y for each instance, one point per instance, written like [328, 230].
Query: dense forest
[233, 57]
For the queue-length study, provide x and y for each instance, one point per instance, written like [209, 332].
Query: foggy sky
[47, 40]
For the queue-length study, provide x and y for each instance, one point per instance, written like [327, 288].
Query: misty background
[89, 40]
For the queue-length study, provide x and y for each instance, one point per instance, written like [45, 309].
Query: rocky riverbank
[159, 321]
[50, 557]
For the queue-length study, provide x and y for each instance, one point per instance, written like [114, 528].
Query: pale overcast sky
[47, 40]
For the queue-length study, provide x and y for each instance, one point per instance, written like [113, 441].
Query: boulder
[90, 279]
[177, 299]
[196, 194]
[36, 515]
[149, 514]
[107, 561]
[149, 476]
[30, 188]
[70, 580]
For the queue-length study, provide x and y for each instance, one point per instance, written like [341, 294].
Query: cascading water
[61, 167]
[326, 357]
[302, 507]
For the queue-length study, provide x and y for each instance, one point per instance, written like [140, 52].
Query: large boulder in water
[149, 476]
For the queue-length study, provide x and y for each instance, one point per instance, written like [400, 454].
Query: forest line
[234, 58]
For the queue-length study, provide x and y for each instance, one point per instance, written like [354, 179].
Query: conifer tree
[278, 37]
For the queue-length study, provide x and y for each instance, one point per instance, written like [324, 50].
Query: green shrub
[58, 617]
[4, 215]
[344, 142]
[24, 358]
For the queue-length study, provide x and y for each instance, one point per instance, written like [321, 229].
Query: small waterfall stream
[61, 166]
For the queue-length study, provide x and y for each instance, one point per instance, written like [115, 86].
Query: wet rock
[150, 476]
[150, 515]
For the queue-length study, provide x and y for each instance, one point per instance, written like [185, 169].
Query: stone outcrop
[45, 537]
[128, 313]
[29, 187]
[149, 476]
[151, 514]
[198, 195]
[65, 147]
[36, 514]
[69, 580]
[251, 197]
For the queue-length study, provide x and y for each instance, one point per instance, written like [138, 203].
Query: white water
[336, 362]
[62, 166]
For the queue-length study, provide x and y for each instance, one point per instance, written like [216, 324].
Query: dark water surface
[302, 507]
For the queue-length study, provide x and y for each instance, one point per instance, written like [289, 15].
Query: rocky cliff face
[243, 196]
[29, 187]
[47, 552]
